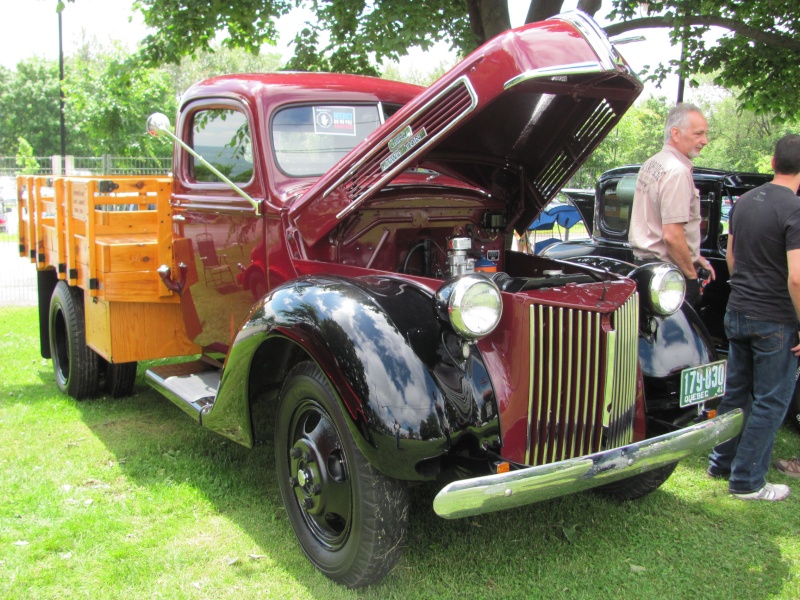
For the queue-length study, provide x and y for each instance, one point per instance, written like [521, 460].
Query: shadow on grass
[689, 539]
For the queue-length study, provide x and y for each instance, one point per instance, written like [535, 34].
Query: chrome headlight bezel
[470, 304]
[662, 286]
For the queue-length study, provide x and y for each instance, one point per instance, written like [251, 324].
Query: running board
[191, 385]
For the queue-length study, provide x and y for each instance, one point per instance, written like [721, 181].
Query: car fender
[379, 342]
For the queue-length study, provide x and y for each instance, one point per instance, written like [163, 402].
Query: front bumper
[491, 493]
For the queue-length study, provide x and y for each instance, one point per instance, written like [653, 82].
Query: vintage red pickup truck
[339, 246]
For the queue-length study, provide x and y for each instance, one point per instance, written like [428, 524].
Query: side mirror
[158, 125]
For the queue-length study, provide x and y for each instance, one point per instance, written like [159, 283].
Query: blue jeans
[760, 381]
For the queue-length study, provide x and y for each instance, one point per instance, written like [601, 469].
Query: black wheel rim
[319, 475]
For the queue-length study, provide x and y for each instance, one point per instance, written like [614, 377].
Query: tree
[29, 107]
[758, 55]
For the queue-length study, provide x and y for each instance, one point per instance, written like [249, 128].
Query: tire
[74, 363]
[793, 416]
[350, 520]
[117, 379]
[637, 486]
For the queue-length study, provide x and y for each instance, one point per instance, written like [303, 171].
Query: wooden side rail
[107, 235]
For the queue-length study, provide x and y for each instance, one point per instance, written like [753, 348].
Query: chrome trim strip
[557, 368]
[611, 377]
[581, 68]
[490, 493]
[532, 331]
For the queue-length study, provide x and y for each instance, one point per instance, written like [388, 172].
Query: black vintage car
[664, 352]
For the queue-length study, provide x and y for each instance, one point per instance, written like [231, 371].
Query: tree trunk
[539, 10]
[488, 18]
[590, 7]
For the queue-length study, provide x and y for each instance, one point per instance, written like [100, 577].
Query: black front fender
[381, 346]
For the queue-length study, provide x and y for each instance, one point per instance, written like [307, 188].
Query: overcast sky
[30, 28]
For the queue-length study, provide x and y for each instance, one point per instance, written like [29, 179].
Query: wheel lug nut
[295, 453]
[293, 481]
[315, 489]
[307, 456]
[308, 503]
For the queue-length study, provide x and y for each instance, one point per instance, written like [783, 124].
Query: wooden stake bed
[108, 236]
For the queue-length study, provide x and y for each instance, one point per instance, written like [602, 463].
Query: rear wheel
[74, 363]
[117, 379]
[637, 486]
[351, 521]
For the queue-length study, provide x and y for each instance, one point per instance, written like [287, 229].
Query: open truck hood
[517, 117]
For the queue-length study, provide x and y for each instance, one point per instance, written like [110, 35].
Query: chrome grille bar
[623, 363]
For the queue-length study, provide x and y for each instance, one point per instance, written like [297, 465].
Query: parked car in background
[606, 212]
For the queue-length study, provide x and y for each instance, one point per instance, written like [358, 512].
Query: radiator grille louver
[435, 118]
[555, 174]
[582, 384]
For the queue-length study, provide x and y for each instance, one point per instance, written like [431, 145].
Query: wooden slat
[91, 190]
[132, 254]
[133, 286]
[70, 233]
[60, 239]
[137, 330]
[165, 235]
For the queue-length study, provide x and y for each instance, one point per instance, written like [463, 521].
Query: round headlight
[471, 304]
[667, 289]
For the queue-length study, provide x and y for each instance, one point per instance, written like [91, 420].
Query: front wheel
[637, 486]
[74, 363]
[351, 521]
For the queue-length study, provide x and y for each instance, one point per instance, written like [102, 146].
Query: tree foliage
[758, 55]
[106, 103]
[29, 107]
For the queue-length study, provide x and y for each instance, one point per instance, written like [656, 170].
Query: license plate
[699, 384]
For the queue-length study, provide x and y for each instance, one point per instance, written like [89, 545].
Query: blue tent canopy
[564, 216]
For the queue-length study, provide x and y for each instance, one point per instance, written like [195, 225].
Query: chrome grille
[582, 385]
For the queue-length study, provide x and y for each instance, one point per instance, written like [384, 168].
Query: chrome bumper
[516, 488]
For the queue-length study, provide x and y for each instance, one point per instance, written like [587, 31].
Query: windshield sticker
[401, 144]
[335, 120]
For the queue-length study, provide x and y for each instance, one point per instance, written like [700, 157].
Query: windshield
[309, 140]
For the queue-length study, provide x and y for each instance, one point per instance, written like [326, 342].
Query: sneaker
[790, 468]
[770, 492]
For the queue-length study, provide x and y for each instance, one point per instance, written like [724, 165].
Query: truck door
[218, 233]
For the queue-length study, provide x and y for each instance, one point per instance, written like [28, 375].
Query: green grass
[129, 499]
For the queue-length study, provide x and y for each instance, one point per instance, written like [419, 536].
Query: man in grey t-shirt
[761, 323]
[665, 217]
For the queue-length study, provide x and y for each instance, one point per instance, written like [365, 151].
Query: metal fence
[92, 165]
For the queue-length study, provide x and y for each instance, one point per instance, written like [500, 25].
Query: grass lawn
[129, 499]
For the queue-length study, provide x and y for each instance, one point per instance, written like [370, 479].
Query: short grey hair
[678, 116]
